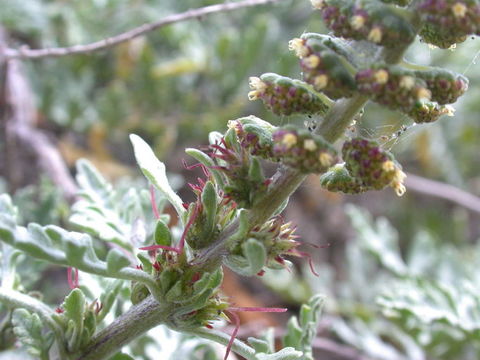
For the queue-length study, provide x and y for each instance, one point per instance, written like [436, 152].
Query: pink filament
[163, 247]
[154, 203]
[258, 309]
[72, 280]
[236, 321]
[233, 317]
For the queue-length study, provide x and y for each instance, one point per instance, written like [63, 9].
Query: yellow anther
[289, 140]
[448, 110]
[459, 10]
[321, 81]
[357, 22]
[325, 159]
[423, 94]
[381, 76]
[311, 61]
[258, 88]
[298, 45]
[317, 4]
[397, 182]
[375, 35]
[309, 145]
[407, 82]
[388, 166]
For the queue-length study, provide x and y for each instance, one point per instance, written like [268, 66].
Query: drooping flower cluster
[323, 65]
[374, 167]
[285, 96]
[448, 22]
[374, 21]
[302, 150]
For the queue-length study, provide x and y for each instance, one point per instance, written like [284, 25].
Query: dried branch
[26, 53]
[18, 114]
[443, 191]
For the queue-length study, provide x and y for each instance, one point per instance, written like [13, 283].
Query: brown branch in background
[443, 191]
[26, 53]
[18, 114]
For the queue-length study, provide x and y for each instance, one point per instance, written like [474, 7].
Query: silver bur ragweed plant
[173, 276]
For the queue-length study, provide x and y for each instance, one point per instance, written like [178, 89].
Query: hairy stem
[14, 299]
[136, 321]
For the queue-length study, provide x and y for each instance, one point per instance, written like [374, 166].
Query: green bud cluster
[448, 22]
[208, 215]
[374, 167]
[195, 297]
[302, 150]
[263, 246]
[244, 178]
[370, 20]
[324, 65]
[78, 319]
[285, 96]
[254, 134]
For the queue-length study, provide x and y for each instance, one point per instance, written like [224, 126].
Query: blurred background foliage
[402, 288]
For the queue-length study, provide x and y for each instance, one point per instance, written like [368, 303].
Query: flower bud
[302, 150]
[445, 86]
[427, 111]
[392, 86]
[338, 179]
[449, 21]
[255, 135]
[382, 24]
[285, 96]
[374, 167]
[325, 67]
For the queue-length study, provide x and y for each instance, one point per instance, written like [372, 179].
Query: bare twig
[18, 114]
[443, 191]
[26, 53]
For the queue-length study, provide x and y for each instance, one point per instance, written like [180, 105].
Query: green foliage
[154, 171]
[302, 331]
[29, 331]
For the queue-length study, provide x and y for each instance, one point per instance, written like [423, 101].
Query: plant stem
[136, 321]
[15, 299]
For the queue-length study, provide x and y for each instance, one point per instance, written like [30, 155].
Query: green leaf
[287, 353]
[28, 329]
[75, 308]
[116, 260]
[154, 170]
[162, 234]
[300, 334]
[379, 238]
[255, 253]
[209, 202]
[121, 356]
